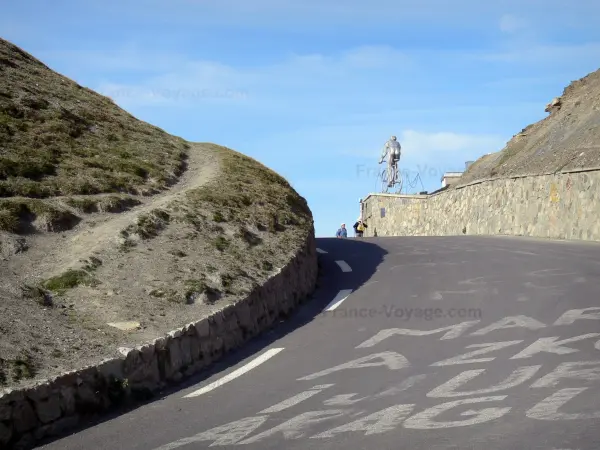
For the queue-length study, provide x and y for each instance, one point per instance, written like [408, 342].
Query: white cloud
[126, 57]
[377, 57]
[328, 93]
[424, 145]
[17, 32]
[512, 24]
[298, 76]
[296, 14]
[513, 83]
[535, 54]
[162, 96]
[178, 67]
[277, 13]
[319, 185]
[367, 74]
[418, 142]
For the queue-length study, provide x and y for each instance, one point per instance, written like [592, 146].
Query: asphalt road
[471, 343]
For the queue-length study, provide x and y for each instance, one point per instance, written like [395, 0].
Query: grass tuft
[21, 215]
[16, 369]
[68, 280]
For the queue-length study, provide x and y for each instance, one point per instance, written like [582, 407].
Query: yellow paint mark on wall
[554, 197]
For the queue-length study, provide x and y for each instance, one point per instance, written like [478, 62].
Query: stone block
[38, 393]
[133, 362]
[174, 360]
[147, 352]
[203, 328]
[23, 417]
[67, 400]
[195, 350]
[175, 334]
[185, 344]
[5, 434]
[48, 410]
[5, 410]
[112, 367]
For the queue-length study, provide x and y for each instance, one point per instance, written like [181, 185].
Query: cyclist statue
[392, 151]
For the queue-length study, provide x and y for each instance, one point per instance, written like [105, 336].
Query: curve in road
[425, 343]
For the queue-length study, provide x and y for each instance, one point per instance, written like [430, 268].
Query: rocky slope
[569, 138]
[112, 231]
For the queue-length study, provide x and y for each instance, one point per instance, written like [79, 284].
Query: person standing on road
[359, 228]
[342, 233]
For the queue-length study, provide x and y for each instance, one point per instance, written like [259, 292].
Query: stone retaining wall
[564, 205]
[57, 405]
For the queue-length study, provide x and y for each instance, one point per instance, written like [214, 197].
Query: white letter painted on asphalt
[568, 370]
[403, 386]
[578, 314]
[343, 400]
[292, 401]
[228, 434]
[511, 322]
[392, 360]
[548, 408]
[449, 389]
[298, 426]
[380, 422]
[549, 345]
[487, 348]
[453, 331]
[422, 420]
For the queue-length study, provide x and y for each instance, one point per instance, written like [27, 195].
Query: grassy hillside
[59, 138]
[568, 138]
[106, 219]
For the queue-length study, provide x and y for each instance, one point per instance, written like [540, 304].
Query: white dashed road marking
[319, 250]
[337, 301]
[236, 373]
[344, 266]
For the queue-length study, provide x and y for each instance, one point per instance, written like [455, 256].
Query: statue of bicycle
[390, 175]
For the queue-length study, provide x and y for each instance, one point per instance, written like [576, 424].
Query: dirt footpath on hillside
[46, 336]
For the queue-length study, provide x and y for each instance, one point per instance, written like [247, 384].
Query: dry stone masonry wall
[55, 406]
[559, 206]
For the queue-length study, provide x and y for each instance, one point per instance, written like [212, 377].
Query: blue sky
[313, 88]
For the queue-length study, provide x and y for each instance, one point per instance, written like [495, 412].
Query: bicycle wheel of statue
[384, 180]
[399, 180]
[381, 181]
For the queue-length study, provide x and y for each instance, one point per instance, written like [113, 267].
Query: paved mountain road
[434, 343]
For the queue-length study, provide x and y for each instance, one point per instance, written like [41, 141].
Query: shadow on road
[364, 258]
